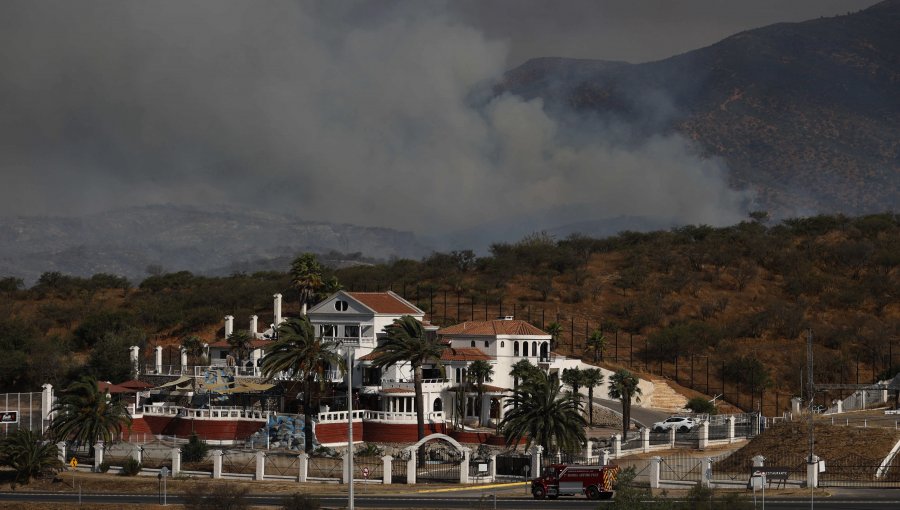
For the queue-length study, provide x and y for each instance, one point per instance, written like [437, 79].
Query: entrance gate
[439, 459]
[857, 471]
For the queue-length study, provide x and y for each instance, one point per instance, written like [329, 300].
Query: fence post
[812, 471]
[730, 420]
[493, 467]
[703, 439]
[260, 465]
[411, 466]
[617, 445]
[158, 359]
[536, 460]
[345, 467]
[303, 464]
[137, 453]
[387, 469]
[654, 471]
[98, 456]
[61, 455]
[588, 451]
[645, 439]
[706, 475]
[759, 461]
[176, 461]
[217, 463]
[46, 404]
[464, 467]
[672, 438]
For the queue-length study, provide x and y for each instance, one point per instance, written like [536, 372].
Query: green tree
[407, 342]
[306, 277]
[523, 372]
[572, 377]
[481, 372]
[597, 343]
[109, 360]
[87, 415]
[623, 386]
[305, 358]
[28, 456]
[540, 411]
[591, 378]
[193, 346]
[241, 343]
[554, 329]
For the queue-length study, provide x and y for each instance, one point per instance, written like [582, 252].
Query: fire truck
[595, 482]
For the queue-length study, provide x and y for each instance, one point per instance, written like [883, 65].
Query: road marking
[475, 488]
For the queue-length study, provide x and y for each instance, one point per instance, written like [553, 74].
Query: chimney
[253, 325]
[229, 325]
[277, 309]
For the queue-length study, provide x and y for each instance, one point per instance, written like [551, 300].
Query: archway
[441, 459]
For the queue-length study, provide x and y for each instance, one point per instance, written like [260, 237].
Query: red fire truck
[595, 482]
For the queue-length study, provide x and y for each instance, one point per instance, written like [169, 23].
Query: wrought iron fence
[441, 464]
[513, 464]
[681, 467]
[329, 468]
[282, 464]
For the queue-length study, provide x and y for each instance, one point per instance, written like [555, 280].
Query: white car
[679, 423]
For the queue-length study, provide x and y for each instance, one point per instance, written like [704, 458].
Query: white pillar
[229, 326]
[254, 325]
[137, 453]
[98, 456]
[672, 438]
[706, 474]
[134, 355]
[255, 354]
[654, 471]
[536, 452]
[303, 462]
[464, 467]
[617, 445]
[812, 472]
[158, 359]
[345, 468]
[493, 463]
[46, 405]
[604, 457]
[703, 441]
[277, 309]
[731, 429]
[61, 452]
[411, 467]
[387, 469]
[795, 406]
[759, 461]
[588, 450]
[840, 406]
[176, 462]
[645, 439]
[184, 360]
[260, 465]
[217, 463]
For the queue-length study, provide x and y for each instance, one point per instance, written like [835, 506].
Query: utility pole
[811, 392]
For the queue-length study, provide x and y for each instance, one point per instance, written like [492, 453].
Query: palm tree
[543, 414]
[407, 342]
[28, 456]
[572, 377]
[241, 344]
[597, 342]
[523, 371]
[481, 371]
[590, 379]
[623, 385]
[304, 357]
[194, 348]
[306, 277]
[87, 415]
[554, 328]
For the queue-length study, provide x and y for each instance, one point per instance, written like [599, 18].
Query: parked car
[679, 423]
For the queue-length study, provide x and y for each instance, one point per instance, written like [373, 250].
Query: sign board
[9, 417]
[366, 473]
[482, 468]
[771, 473]
[164, 471]
[73, 463]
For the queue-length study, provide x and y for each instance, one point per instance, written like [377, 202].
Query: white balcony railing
[214, 413]
[380, 416]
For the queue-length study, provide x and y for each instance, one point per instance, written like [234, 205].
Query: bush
[701, 405]
[195, 450]
[131, 467]
[103, 467]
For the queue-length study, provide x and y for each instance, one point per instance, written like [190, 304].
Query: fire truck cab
[595, 482]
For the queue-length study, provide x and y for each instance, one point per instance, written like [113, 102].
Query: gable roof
[493, 328]
[386, 302]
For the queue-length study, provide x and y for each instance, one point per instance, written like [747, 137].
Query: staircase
[664, 397]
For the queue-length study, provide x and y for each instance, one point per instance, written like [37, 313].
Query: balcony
[408, 384]
[352, 341]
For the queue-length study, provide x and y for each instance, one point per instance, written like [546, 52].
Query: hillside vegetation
[722, 310]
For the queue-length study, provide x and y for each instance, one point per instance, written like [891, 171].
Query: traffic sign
[366, 473]
[164, 471]
[73, 463]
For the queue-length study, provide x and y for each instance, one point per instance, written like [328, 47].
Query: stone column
[536, 452]
[61, 452]
[840, 406]
[703, 441]
[672, 438]
[277, 309]
[98, 456]
[617, 445]
[387, 469]
[411, 467]
[812, 472]
[158, 359]
[645, 439]
[137, 453]
[759, 461]
[654, 471]
[46, 405]
[706, 474]
[217, 463]
[731, 429]
[254, 325]
[229, 326]
[303, 462]
[255, 354]
[493, 466]
[795, 406]
[260, 465]
[134, 355]
[184, 360]
[464, 466]
[176, 461]
[604, 457]
[588, 451]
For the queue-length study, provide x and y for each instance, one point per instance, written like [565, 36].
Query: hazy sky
[344, 111]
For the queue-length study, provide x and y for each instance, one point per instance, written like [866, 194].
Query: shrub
[28, 456]
[701, 405]
[103, 467]
[131, 468]
[195, 450]
[369, 450]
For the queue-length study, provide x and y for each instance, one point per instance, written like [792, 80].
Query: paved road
[643, 416]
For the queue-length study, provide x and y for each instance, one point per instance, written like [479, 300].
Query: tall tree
[523, 371]
[241, 344]
[407, 342]
[193, 346]
[306, 277]
[623, 386]
[481, 372]
[591, 378]
[28, 456]
[572, 377]
[541, 412]
[597, 343]
[87, 415]
[304, 358]
[554, 329]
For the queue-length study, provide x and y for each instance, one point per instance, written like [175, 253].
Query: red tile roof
[385, 302]
[372, 356]
[493, 328]
[464, 354]
[105, 386]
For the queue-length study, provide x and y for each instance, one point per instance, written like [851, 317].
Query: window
[502, 343]
[328, 330]
[487, 343]
[351, 331]
[473, 343]
[516, 348]
[340, 305]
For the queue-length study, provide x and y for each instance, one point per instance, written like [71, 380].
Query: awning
[182, 383]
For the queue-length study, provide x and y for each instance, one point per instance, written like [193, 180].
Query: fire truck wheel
[538, 493]
[592, 492]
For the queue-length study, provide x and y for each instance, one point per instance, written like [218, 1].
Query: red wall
[206, 429]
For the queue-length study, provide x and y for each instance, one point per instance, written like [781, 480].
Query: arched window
[438, 405]
[534, 349]
[502, 344]
[516, 348]
[487, 343]
[544, 354]
[473, 343]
